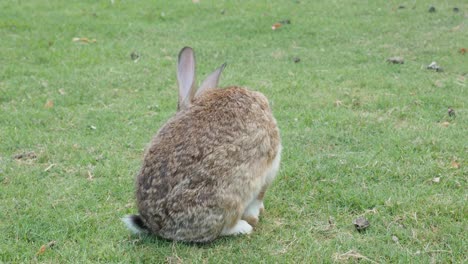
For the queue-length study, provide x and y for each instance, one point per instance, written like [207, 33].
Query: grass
[361, 137]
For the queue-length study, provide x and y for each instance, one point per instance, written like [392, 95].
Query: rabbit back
[206, 163]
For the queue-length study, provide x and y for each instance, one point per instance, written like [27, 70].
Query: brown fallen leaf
[49, 104]
[455, 164]
[280, 24]
[276, 26]
[44, 247]
[41, 250]
[462, 51]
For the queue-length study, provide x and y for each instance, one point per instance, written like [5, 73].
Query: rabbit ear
[211, 81]
[186, 77]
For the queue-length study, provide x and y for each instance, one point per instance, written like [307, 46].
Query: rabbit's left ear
[211, 81]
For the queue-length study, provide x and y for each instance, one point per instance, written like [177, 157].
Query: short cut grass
[84, 85]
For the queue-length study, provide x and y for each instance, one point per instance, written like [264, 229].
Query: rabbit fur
[206, 171]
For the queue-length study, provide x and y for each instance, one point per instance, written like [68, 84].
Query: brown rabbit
[206, 171]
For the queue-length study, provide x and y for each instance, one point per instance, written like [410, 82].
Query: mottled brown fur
[206, 163]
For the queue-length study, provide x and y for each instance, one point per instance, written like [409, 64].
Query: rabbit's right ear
[186, 77]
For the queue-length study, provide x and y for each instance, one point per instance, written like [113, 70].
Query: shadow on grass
[145, 239]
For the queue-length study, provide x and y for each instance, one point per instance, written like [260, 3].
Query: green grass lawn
[361, 136]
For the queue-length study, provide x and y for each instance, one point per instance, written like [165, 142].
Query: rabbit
[205, 173]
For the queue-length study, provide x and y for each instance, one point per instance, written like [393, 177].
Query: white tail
[134, 224]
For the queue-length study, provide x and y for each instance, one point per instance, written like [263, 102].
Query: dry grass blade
[49, 167]
[352, 255]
